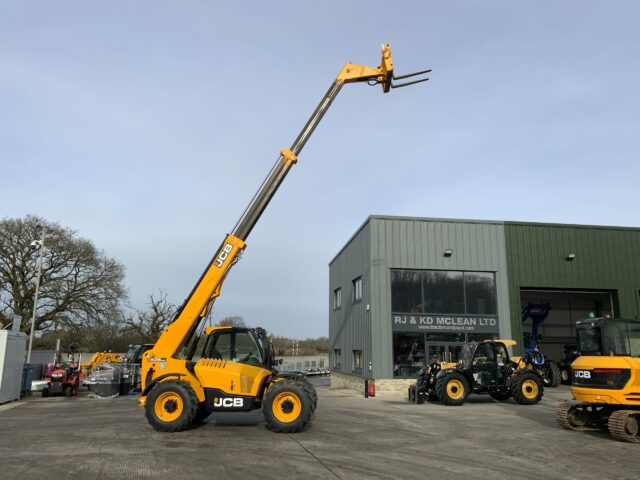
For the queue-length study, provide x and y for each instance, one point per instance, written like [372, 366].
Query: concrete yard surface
[351, 438]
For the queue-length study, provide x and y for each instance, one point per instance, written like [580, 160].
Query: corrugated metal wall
[349, 326]
[522, 255]
[607, 258]
[420, 243]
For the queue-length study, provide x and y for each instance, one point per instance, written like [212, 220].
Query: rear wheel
[68, 391]
[171, 406]
[287, 407]
[527, 389]
[452, 389]
[552, 376]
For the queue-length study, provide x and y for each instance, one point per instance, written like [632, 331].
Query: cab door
[502, 360]
[483, 366]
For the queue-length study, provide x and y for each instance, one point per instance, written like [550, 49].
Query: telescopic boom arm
[177, 336]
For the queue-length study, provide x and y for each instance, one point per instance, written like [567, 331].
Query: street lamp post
[36, 245]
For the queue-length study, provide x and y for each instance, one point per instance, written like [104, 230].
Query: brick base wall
[384, 386]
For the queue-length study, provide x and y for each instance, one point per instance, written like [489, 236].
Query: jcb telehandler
[483, 368]
[605, 379]
[184, 380]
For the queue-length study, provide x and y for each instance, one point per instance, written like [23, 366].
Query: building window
[337, 358]
[337, 298]
[443, 292]
[408, 354]
[357, 289]
[357, 360]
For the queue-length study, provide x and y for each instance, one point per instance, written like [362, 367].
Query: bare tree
[232, 322]
[79, 283]
[149, 324]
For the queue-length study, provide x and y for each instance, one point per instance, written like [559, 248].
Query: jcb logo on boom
[583, 374]
[227, 402]
[222, 256]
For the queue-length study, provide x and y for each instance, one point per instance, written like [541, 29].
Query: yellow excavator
[192, 371]
[605, 379]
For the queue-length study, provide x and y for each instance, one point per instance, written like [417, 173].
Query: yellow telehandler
[192, 371]
[605, 379]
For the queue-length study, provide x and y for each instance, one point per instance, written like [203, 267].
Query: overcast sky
[146, 126]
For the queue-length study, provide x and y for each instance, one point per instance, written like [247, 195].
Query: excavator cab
[605, 379]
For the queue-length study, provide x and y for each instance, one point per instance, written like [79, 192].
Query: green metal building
[406, 290]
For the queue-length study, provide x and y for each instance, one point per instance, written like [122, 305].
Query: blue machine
[549, 370]
[537, 312]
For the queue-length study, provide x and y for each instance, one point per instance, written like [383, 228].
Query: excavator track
[569, 417]
[624, 425]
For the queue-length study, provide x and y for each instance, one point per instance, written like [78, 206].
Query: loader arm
[176, 339]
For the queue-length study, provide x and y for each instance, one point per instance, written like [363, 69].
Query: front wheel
[527, 389]
[287, 407]
[171, 406]
[452, 389]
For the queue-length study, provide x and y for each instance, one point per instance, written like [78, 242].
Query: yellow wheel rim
[168, 406]
[286, 407]
[455, 389]
[530, 389]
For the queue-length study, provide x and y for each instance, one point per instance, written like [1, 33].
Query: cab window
[501, 354]
[234, 346]
[484, 353]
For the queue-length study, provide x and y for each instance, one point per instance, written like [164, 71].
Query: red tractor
[62, 378]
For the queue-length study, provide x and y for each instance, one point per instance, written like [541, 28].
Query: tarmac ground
[351, 438]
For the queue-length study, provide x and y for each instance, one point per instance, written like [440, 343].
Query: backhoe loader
[192, 371]
[605, 379]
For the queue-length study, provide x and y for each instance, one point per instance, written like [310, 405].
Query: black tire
[501, 396]
[68, 391]
[304, 381]
[45, 392]
[452, 389]
[565, 376]
[412, 393]
[167, 398]
[311, 391]
[552, 377]
[527, 388]
[287, 406]
[202, 413]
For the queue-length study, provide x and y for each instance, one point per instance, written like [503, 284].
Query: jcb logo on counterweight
[224, 253]
[227, 402]
[583, 374]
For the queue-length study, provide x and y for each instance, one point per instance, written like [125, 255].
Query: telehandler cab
[182, 380]
[605, 379]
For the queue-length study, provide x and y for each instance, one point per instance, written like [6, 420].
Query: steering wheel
[250, 358]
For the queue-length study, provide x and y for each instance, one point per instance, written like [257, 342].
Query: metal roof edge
[357, 232]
